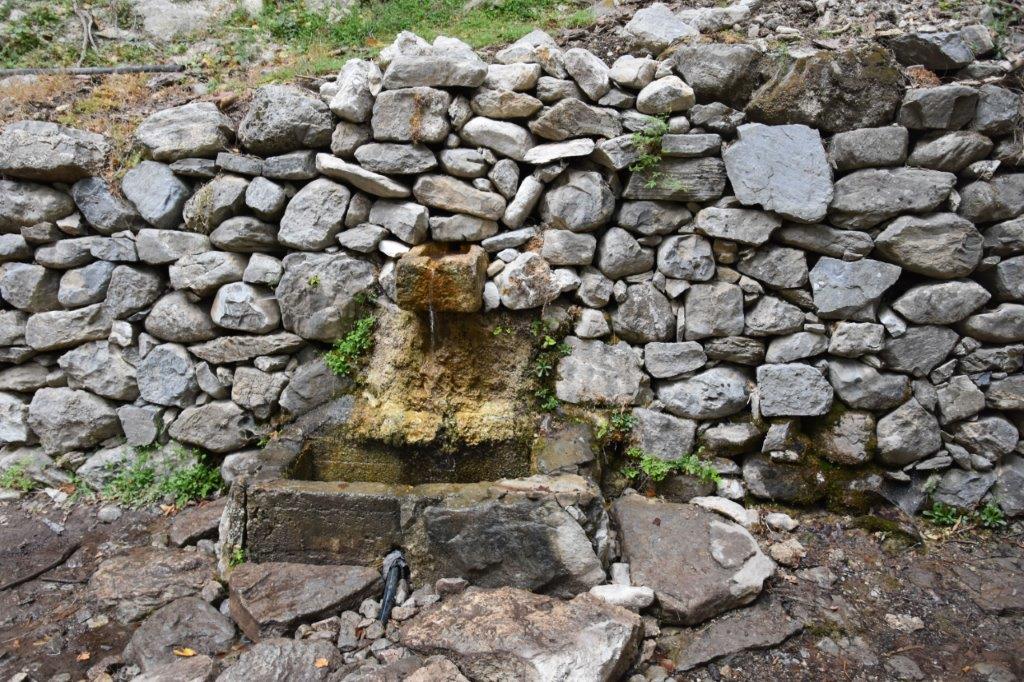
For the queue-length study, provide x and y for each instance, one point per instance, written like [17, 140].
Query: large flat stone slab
[698, 564]
[510, 634]
[272, 599]
[763, 625]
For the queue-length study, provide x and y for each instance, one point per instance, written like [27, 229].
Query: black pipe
[394, 569]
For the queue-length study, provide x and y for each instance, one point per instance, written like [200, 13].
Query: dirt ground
[855, 591]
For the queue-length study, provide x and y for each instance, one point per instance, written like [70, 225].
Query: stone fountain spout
[441, 277]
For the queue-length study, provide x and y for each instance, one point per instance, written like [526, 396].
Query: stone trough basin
[432, 452]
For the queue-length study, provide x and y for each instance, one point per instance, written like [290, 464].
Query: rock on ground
[506, 633]
[698, 564]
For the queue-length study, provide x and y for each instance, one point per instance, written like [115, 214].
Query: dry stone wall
[777, 262]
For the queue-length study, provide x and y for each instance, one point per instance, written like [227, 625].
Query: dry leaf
[84, 656]
[321, 663]
[185, 652]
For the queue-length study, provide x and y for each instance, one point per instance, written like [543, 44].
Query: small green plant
[943, 515]
[991, 516]
[647, 142]
[543, 366]
[134, 485]
[15, 477]
[499, 330]
[196, 482]
[348, 350]
[237, 557]
[313, 281]
[645, 469]
[140, 483]
[616, 427]
[548, 401]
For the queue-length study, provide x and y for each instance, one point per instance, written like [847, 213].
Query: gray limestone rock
[941, 302]
[907, 434]
[778, 267]
[868, 148]
[942, 245]
[673, 359]
[1001, 198]
[649, 218]
[863, 387]
[792, 390]
[162, 247]
[741, 225]
[581, 201]
[943, 107]
[166, 376]
[712, 394]
[589, 72]
[770, 316]
[655, 27]
[157, 194]
[220, 426]
[395, 158]
[416, 114]
[285, 118]
[503, 137]
[49, 152]
[100, 368]
[204, 273]
[644, 315]
[526, 282]
[59, 329]
[998, 111]
[368, 181]
[131, 290]
[314, 216]
[176, 318]
[323, 309]
[844, 290]
[950, 152]
[665, 95]
[450, 194]
[868, 197]
[721, 570]
[214, 202]
[244, 307]
[942, 51]
[920, 350]
[782, 168]
[562, 247]
[23, 204]
[358, 84]
[713, 309]
[845, 245]
[198, 129]
[245, 234]
[719, 72]
[686, 257]
[598, 373]
[620, 255]
[104, 211]
[571, 117]
[67, 419]
[30, 287]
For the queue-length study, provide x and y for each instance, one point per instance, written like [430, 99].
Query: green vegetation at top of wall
[304, 41]
[371, 25]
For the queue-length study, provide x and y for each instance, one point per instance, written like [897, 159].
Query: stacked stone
[825, 264]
